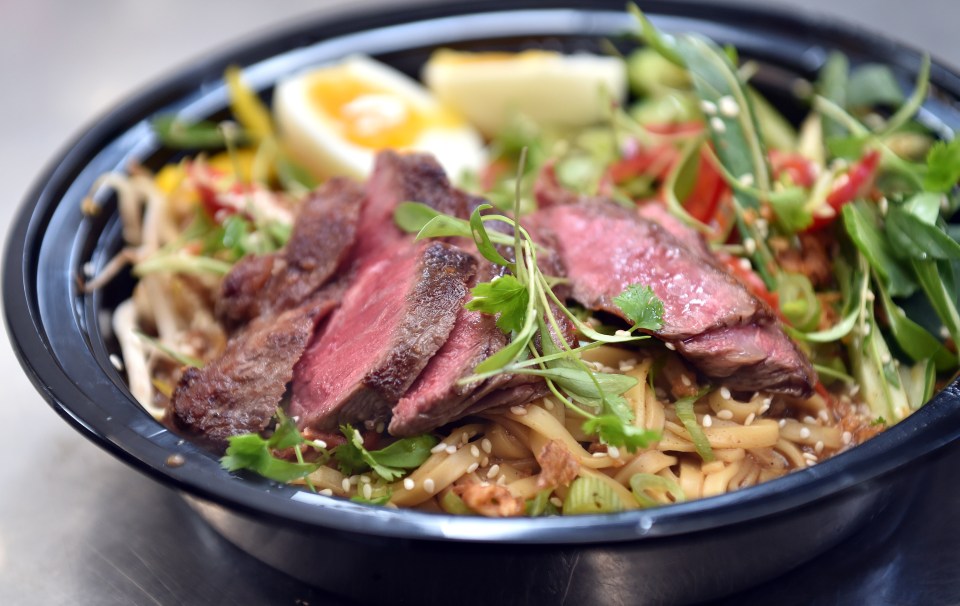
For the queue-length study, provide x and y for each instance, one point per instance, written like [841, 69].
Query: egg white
[314, 138]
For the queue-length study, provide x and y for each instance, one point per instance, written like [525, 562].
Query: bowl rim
[128, 433]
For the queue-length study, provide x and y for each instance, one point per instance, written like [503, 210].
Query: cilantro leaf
[389, 463]
[943, 166]
[505, 297]
[913, 238]
[613, 431]
[250, 451]
[641, 306]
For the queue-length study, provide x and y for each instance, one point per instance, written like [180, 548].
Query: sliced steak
[605, 248]
[239, 391]
[321, 240]
[708, 315]
[750, 358]
[693, 240]
[396, 314]
[396, 178]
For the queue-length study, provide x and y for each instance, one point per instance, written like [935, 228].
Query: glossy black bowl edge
[46, 192]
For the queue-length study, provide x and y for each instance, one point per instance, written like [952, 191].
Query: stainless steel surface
[78, 527]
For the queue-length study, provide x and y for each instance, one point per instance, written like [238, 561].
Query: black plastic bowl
[683, 552]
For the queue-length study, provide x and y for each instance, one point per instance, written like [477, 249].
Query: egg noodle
[835, 227]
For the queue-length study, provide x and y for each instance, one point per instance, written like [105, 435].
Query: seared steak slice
[396, 314]
[321, 240]
[745, 357]
[658, 213]
[605, 248]
[709, 316]
[239, 391]
[396, 178]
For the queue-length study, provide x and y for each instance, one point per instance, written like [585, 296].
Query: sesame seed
[367, 491]
[345, 484]
[599, 455]
[745, 263]
[556, 502]
[473, 467]
[944, 332]
[548, 403]
[319, 443]
[846, 437]
[718, 125]
[725, 414]
[750, 418]
[854, 390]
[439, 448]
[613, 451]
[724, 393]
[818, 447]
[502, 480]
[809, 456]
[622, 333]
[116, 361]
[409, 484]
[493, 472]
[866, 330]
[451, 449]
[670, 346]
[464, 438]
[728, 106]
[764, 407]
[804, 432]
[365, 479]
[518, 410]
[823, 416]
[474, 450]
[746, 179]
[429, 485]
[486, 445]
[685, 380]
[707, 421]
[885, 359]
[708, 107]
[380, 427]
[750, 246]
[89, 270]
[782, 423]
[763, 226]
[809, 420]
[884, 205]
[326, 492]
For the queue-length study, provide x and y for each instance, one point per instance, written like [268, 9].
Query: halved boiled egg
[547, 87]
[333, 120]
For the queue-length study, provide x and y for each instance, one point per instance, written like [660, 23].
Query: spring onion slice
[684, 410]
[642, 484]
[590, 495]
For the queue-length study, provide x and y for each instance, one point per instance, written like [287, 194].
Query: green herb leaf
[584, 384]
[612, 430]
[505, 298]
[873, 84]
[943, 166]
[641, 306]
[914, 102]
[912, 238]
[874, 246]
[482, 239]
[250, 451]
[832, 85]
[912, 338]
[655, 39]
[389, 463]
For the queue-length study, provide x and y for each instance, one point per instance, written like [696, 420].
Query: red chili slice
[853, 184]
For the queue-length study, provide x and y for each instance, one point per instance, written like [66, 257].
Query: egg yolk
[368, 115]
